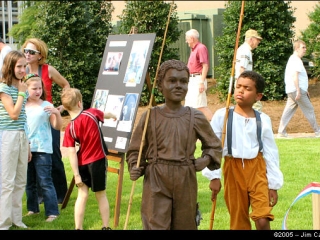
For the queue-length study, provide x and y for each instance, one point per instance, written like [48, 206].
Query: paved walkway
[298, 135]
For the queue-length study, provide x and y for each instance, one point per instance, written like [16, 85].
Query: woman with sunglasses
[36, 52]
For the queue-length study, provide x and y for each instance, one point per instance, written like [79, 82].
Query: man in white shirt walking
[244, 60]
[297, 81]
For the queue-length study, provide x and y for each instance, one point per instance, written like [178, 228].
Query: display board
[120, 83]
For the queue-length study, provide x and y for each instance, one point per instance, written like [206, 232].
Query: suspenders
[229, 130]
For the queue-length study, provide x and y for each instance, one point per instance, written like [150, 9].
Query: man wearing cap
[244, 57]
[4, 49]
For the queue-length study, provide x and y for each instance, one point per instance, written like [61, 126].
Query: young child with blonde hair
[41, 115]
[89, 164]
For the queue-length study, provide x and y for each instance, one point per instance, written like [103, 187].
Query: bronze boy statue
[169, 198]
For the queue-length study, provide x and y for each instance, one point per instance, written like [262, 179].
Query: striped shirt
[6, 122]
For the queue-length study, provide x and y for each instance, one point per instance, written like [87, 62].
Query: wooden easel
[115, 157]
[119, 158]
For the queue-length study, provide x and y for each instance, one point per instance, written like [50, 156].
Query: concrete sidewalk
[297, 135]
[64, 151]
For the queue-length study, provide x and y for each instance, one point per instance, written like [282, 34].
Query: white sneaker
[31, 213]
[20, 225]
[283, 136]
[51, 218]
[317, 134]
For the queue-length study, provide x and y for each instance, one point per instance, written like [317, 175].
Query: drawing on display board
[112, 64]
[128, 112]
[137, 60]
[100, 99]
[114, 105]
[121, 142]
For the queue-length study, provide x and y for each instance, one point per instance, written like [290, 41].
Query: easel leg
[66, 198]
[119, 192]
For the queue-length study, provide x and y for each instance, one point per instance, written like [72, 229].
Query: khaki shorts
[194, 98]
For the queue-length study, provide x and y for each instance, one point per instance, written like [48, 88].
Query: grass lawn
[299, 162]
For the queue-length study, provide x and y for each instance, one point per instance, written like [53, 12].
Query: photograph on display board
[112, 64]
[128, 112]
[121, 142]
[100, 99]
[114, 105]
[137, 60]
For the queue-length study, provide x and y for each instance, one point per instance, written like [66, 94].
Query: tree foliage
[274, 21]
[311, 35]
[23, 29]
[152, 17]
[76, 33]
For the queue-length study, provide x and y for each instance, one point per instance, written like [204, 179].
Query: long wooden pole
[228, 102]
[147, 116]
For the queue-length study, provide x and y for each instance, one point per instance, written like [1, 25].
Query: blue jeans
[39, 172]
[58, 173]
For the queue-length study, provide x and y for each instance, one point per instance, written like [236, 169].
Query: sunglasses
[30, 51]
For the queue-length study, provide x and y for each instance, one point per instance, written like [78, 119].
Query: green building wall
[209, 24]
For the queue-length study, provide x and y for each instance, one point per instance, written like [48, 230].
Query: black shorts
[94, 174]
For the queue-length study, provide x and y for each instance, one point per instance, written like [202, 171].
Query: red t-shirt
[86, 131]
[198, 56]
[47, 82]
